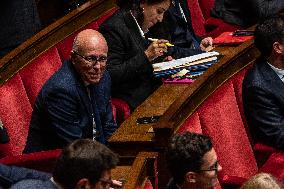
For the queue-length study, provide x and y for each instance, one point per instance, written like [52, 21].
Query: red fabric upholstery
[206, 6]
[197, 18]
[275, 166]
[15, 111]
[215, 27]
[192, 124]
[227, 132]
[43, 161]
[37, 72]
[123, 110]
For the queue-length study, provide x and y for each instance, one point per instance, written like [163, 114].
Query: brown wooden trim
[51, 35]
[143, 162]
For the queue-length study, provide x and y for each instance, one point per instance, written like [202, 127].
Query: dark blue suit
[263, 98]
[63, 111]
[10, 175]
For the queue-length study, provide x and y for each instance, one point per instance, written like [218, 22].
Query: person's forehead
[209, 158]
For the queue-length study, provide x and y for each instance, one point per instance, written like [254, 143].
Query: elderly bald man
[75, 102]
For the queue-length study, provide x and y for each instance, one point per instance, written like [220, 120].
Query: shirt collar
[140, 29]
[278, 71]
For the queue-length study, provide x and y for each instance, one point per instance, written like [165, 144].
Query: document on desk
[187, 60]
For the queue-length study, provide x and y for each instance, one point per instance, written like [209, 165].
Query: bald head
[89, 39]
[89, 55]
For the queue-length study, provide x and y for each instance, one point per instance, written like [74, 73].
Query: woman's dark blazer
[131, 72]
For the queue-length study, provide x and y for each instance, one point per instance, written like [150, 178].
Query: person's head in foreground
[262, 181]
[269, 39]
[192, 161]
[89, 55]
[85, 164]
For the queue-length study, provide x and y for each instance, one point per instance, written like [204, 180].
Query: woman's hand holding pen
[156, 48]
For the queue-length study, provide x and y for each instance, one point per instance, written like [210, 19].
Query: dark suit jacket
[10, 175]
[177, 31]
[246, 12]
[130, 71]
[63, 111]
[263, 98]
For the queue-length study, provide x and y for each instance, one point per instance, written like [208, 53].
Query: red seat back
[15, 113]
[35, 74]
[197, 18]
[221, 117]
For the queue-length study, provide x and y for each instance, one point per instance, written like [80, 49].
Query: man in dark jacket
[75, 102]
[263, 86]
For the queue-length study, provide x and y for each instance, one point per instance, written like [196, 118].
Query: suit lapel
[272, 78]
[134, 30]
[81, 88]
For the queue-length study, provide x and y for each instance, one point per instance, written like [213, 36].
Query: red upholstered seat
[43, 161]
[221, 117]
[197, 18]
[38, 71]
[275, 165]
[221, 120]
[15, 113]
[203, 23]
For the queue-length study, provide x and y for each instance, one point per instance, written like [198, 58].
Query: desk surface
[156, 104]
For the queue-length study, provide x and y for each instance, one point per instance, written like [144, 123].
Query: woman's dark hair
[83, 158]
[134, 6]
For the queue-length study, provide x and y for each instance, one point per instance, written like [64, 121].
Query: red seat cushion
[275, 165]
[38, 71]
[15, 113]
[42, 161]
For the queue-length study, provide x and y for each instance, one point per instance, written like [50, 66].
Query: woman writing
[130, 54]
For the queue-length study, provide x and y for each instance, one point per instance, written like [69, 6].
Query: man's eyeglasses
[212, 168]
[92, 59]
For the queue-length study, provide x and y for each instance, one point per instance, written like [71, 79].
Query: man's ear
[278, 47]
[83, 184]
[190, 177]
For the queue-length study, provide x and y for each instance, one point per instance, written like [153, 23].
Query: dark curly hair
[267, 32]
[185, 153]
[83, 158]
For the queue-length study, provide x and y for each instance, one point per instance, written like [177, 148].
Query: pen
[168, 44]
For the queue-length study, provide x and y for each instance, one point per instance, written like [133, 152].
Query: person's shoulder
[115, 19]
[33, 184]
[64, 78]
[254, 75]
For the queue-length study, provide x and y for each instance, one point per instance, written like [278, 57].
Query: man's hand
[206, 44]
[116, 184]
[156, 49]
